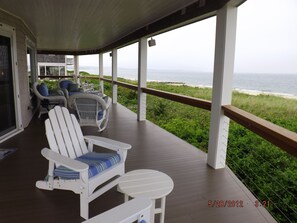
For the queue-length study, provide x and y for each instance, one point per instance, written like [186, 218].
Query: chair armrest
[108, 101]
[66, 93]
[57, 99]
[63, 160]
[50, 98]
[56, 92]
[107, 143]
[131, 211]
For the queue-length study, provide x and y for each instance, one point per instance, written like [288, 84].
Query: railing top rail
[126, 85]
[55, 77]
[90, 77]
[279, 136]
[195, 102]
[106, 79]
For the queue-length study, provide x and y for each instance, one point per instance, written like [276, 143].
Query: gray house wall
[45, 58]
[21, 33]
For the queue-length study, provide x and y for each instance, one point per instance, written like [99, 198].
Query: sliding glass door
[7, 99]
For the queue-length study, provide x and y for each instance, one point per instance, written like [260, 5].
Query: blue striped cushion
[97, 162]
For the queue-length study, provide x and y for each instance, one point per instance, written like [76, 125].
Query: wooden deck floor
[196, 184]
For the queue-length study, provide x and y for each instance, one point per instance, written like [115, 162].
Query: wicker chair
[69, 88]
[92, 110]
[48, 99]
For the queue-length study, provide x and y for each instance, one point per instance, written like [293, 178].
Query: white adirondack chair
[136, 210]
[67, 146]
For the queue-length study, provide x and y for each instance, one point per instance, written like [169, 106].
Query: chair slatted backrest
[75, 133]
[88, 107]
[64, 134]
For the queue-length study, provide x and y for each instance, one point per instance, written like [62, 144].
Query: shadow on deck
[196, 184]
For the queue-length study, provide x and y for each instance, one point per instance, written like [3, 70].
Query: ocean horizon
[255, 83]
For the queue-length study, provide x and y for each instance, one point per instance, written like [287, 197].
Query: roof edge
[197, 11]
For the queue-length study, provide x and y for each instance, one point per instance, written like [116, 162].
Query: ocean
[282, 84]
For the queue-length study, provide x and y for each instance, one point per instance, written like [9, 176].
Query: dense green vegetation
[269, 173]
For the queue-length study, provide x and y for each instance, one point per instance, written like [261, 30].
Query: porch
[196, 184]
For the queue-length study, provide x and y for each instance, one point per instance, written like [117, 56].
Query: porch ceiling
[92, 26]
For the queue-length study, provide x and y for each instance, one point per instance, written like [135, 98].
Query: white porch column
[114, 72]
[101, 73]
[222, 85]
[76, 69]
[142, 78]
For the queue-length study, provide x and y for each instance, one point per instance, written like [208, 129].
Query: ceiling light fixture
[152, 42]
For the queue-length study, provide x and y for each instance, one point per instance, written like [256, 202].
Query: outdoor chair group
[69, 88]
[74, 164]
[92, 108]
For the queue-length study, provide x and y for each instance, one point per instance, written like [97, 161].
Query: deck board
[153, 148]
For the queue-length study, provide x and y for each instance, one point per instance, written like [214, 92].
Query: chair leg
[39, 115]
[84, 207]
[42, 110]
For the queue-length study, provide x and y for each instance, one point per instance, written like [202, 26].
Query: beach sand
[250, 92]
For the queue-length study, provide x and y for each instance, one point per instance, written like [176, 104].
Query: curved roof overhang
[94, 26]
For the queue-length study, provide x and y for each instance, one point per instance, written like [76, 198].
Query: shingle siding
[21, 33]
[45, 58]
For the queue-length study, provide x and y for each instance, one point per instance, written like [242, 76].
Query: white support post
[222, 85]
[65, 66]
[142, 78]
[76, 69]
[101, 73]
[114, 76]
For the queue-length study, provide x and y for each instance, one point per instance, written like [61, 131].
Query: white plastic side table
[148, 183]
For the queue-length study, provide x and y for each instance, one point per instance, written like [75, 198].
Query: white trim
[10, 134]
[52, 64]
[142, 78]
[76, 69]
[30, 44]
[38, 70]
[101, 73]
[114, 72]
[17, 17]
[44, 64]
[9, 31]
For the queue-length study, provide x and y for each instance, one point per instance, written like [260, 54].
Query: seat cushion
[100, 115]
[72, 93]
[64, 84]
[43, 89]
[73, 87]
[98, 162]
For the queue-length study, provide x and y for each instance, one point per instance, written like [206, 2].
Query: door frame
[9, 31]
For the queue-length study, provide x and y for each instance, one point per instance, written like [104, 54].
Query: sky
[266, 42]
